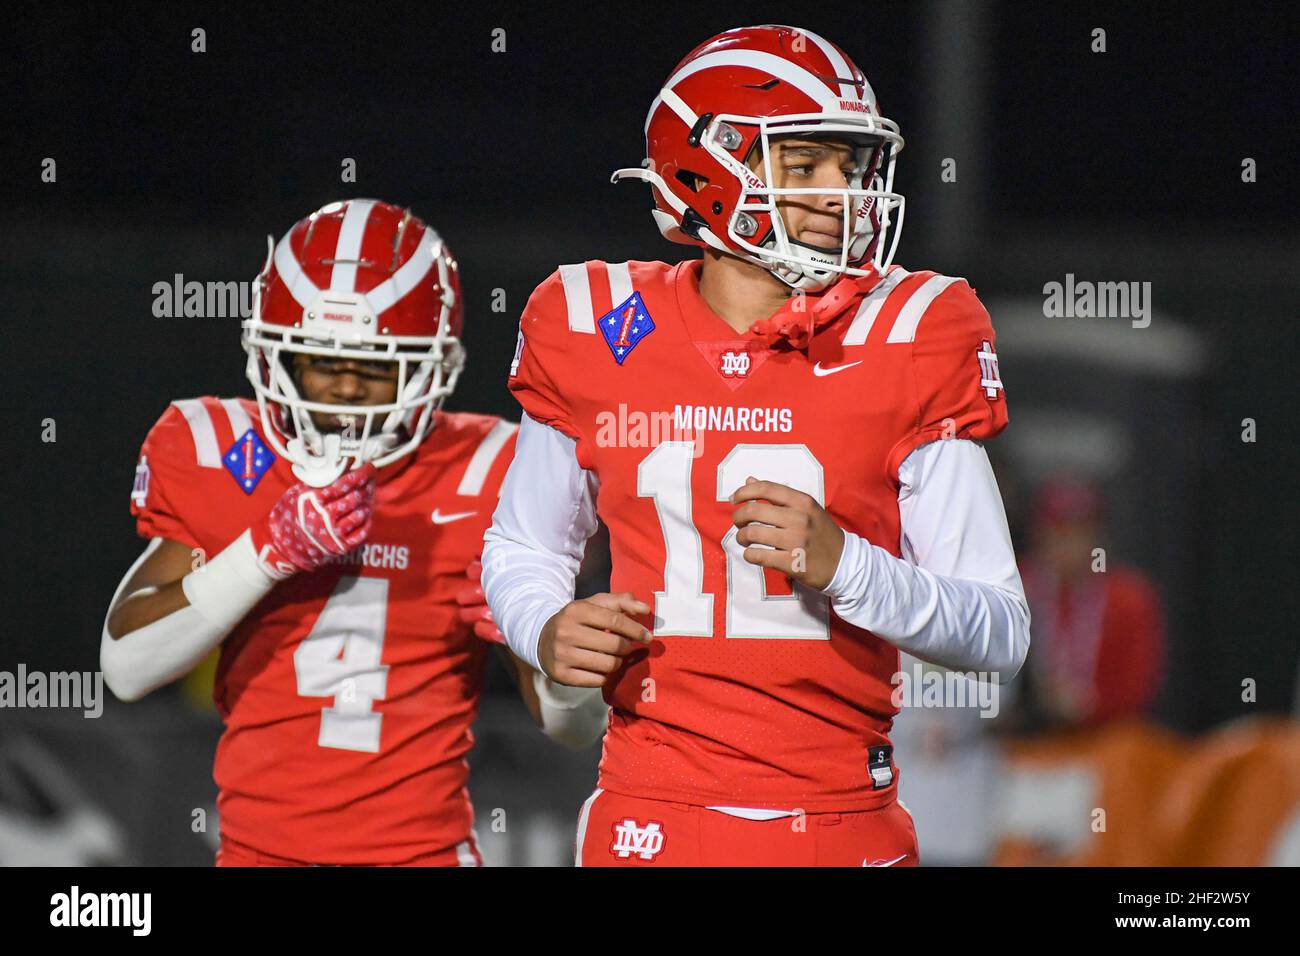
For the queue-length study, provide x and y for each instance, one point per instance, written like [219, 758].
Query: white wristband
[574, 716]
[227, 587]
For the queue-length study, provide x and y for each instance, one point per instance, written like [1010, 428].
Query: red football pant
[617, 830]
[231, 853]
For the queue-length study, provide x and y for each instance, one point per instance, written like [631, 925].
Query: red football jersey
[348, 692]
[752, 693]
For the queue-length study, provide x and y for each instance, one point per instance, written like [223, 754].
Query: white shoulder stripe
[348, 248]
[577, 296]
[869, 308]
[205, 436]
[471, 483]
[909, 317]
[239, 421]
[620, 283]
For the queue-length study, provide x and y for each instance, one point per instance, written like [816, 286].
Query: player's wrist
[270, 559]
[850, 570]
[225, 588]
[535, 636]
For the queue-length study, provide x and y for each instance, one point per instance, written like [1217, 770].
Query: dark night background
[1124, 165]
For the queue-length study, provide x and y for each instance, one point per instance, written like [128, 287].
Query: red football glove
[308, 526]
[474, 609]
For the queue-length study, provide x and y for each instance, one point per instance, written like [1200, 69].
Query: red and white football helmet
[360, 280]
[723, 105]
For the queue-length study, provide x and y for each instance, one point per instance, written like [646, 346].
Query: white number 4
[340, 658]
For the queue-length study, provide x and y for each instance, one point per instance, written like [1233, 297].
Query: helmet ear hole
[692, 181]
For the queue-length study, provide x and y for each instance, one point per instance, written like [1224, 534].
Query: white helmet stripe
[295, 280]
[807, 83]
[344, 276]
[406, 278]
[678, 106]
[840, 66]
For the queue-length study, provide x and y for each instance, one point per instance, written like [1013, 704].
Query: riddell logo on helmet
[336, 316]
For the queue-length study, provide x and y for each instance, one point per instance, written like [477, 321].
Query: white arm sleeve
[532, 552]
[220, 594]
[955, 599]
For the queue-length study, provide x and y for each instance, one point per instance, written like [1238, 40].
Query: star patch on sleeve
[625, 325]
[247, 460]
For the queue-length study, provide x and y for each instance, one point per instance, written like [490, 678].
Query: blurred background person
[1097, 626]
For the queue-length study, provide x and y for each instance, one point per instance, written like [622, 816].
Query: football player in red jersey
[320, 536]
[784, 440]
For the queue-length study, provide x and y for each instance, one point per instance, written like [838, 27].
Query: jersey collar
[788, 324]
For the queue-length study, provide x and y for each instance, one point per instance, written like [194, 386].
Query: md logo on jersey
[733, 363]
[646, 842]
[140, 490]
[248, 460]
[625, 325]
[990, 380]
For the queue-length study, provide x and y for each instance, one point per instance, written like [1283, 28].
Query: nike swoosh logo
[890, 863]
[819, 371]
[447, 519]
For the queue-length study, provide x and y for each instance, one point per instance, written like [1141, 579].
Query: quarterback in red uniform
[320, 536]
[784, 440]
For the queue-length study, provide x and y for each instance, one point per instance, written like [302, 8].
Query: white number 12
[683, 607]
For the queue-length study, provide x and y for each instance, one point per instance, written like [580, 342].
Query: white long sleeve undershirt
[531, 554]
[954, 599]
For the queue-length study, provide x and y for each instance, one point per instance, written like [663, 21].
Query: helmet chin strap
[802, 276]
[317, 469]
[322, 457]
[806, 276]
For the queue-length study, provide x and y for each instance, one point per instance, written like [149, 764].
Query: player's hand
[474, 608]
[585, 641]
[308, 526]
[804, 541]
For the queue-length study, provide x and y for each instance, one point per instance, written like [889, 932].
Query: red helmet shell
[727, 99]
[381, 251]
